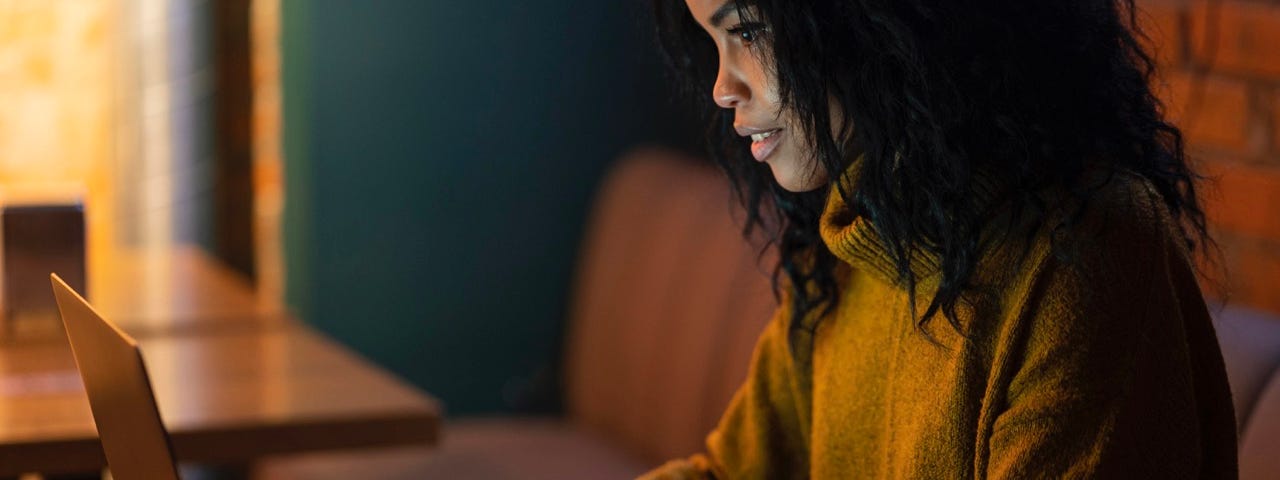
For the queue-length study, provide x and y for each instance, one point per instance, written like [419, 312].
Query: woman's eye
[747, 33]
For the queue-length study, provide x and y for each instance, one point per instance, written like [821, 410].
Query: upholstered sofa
[668, 302]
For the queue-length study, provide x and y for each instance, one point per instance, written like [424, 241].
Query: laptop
[124, 408]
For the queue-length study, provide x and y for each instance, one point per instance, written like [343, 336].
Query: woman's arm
[763, 433]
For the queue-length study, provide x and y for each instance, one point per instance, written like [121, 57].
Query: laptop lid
[115, 378]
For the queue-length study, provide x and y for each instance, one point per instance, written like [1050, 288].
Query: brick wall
[1220, 79]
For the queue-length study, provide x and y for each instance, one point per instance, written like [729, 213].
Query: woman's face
[748, 87]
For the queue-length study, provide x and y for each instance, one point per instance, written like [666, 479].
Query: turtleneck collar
[853, 238]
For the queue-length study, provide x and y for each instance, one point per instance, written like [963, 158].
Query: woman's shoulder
[1122, 202]
[1106, 213]
[1109, 231]
[1116, 219]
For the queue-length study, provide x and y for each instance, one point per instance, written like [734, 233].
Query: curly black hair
[929, 93]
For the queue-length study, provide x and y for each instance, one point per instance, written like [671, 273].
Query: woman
[985, 230]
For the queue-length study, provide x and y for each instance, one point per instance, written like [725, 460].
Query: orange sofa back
[668, 303]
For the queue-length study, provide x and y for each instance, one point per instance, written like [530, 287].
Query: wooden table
[180, 289]
[231, 388]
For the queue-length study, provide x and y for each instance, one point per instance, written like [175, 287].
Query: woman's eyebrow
[717, 18]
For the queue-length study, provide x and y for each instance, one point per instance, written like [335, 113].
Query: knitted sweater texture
[1102, 363]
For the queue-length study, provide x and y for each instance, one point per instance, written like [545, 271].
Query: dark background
[440, 158]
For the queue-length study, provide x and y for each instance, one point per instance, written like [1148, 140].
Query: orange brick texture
[1220, 81]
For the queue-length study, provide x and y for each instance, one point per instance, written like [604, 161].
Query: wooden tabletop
[225, 397]
[235, 377]
[176, 289]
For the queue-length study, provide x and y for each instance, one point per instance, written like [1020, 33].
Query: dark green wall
[440, 159]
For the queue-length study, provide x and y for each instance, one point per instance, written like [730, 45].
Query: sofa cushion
[1260, 439]
[668, 303]
[1250, 343]
[1251, 349]
[479, 449]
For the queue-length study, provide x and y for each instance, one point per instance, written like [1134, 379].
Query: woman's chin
[796, 181]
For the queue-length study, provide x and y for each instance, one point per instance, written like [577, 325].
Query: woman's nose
[729, 90]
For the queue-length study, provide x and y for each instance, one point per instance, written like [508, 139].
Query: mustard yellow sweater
[1105, 366]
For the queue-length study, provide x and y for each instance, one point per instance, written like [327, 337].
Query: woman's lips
[763, 144]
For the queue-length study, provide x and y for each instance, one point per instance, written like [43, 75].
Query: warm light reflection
[154, 181]
[56, 84]
[99, 99]
[85, 84]
[268, 176]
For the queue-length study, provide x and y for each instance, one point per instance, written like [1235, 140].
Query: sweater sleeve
[762, 434]
[1105, 385]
